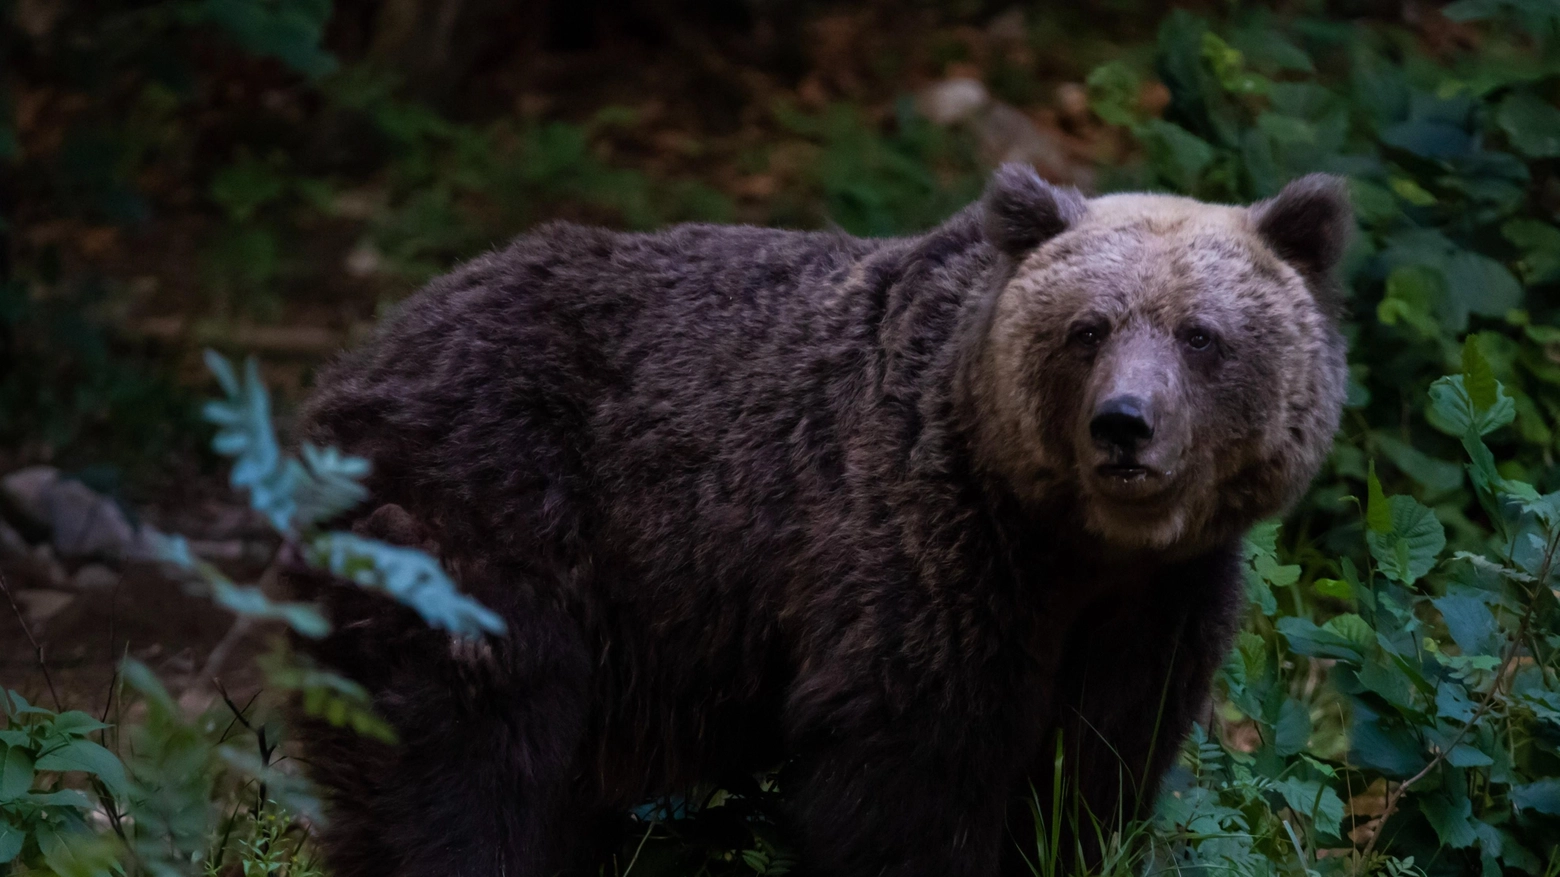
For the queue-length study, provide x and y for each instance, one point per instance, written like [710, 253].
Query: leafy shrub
[1391, 705]
[157, 812]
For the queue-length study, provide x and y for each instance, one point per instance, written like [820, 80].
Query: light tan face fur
[1186, 308]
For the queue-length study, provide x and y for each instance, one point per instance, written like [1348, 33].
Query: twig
[59, 706]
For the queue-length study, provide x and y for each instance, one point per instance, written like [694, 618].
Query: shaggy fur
[749, 496]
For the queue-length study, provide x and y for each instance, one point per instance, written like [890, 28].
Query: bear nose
[1121, 422]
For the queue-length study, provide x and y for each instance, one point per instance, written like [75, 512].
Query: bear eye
[1087, 336]
[1199, 339]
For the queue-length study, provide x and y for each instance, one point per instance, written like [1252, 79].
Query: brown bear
[892, 513]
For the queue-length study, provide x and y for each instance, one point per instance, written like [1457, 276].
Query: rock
[11, 542]
[1072, 102]
[1003, 132]
[39, 605]
[82, 522]
[94, 577]
[28, 490]
[952, 100]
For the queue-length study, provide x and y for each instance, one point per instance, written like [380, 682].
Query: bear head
[1169, 370]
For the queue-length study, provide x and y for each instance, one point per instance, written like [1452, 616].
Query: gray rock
[39, 605]
[952, 101]
[82, 522]
[11, 542]
[94, 577]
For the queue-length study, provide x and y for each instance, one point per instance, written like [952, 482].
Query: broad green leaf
[1436, 476]
[1540, 245]
[251, 602]
[1315, 800]
[85, 755]
[16, 773]
[1478, 377]
[1481, 284]
[1385, 745]
[76, 723]
[1307, 639]
[1378, 516]
[1471, 623]
[1416, 297]
[1338, 589]
[1180, 154]
[1454, 410]
[1452, 703]
[1113, 90]
[11, 840]
[1395, 687]
[1452, 820]
[1293, 728]
[1410, 547]
[74, 852]
[1463, 755]
[1542, 796]
[410, 576]
[60, 798]
[1532, 124]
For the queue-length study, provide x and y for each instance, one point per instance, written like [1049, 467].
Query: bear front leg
[480, 781]
[900, 803]
[1134, 681]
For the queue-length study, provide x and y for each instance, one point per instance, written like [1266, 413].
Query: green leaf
[1540, 245]
[1481, 284]
[1478, 377]
[76, 724]
[1293, 729]
[71, 798]
[74, 853]
[1436, 476]
[407, 574]
[16, 773]
[1314, 799]
[84, 755]
[1378, 516]
[1452, 703]
[1454, 410]
[1471, 623]
[1178, 153]
[251, 602]
[1384, 745]
[1404, 535]
[1113, 90]
[1542, 796]
[1338, 589]
[1532, 125]
[11, 840]
[1307, 639]
[1452, 820]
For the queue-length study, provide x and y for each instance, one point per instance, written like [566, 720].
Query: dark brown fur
[723, 485]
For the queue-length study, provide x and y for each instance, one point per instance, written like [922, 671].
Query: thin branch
[59, 705]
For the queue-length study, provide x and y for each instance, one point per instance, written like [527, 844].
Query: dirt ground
[80, 617]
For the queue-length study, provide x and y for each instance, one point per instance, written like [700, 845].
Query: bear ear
[1023, 211]
[1309, 223]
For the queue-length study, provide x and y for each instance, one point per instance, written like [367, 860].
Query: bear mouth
[1129, 481]
[1123, 471]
